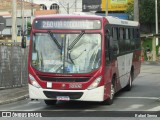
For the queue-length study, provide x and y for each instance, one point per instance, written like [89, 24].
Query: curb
[14, 99]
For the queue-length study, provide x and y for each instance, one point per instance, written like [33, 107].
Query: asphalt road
[144, 96]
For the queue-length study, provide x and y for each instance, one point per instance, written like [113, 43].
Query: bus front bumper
[96, 94]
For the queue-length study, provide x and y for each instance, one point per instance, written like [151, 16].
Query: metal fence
[13, 65]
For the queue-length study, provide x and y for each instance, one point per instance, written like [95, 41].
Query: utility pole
[68, 7]
[106, 7]
[14, 20]
[22, 15]
[31, 7]
[75, 5]
[136, 10]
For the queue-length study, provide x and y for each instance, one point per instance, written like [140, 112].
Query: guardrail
[13, 65]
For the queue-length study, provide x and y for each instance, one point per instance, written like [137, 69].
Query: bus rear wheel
[109, 101]
[50, 102]
[129, 85]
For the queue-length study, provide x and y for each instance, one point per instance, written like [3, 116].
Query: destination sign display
[63, 24]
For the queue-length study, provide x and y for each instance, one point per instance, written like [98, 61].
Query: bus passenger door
[108, 64]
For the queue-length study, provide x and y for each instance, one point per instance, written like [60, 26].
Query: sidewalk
[151, 63]
[13, 94]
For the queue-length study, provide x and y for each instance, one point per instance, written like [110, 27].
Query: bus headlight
[33, 81]
[95, 83]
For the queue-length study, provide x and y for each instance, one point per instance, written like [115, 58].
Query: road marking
[133, 107]
[35, 109]
[149, 98]
[34, 102]
[136, 106]
[154, 109]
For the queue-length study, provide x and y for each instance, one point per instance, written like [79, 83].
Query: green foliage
[29, 28]
[146, 10]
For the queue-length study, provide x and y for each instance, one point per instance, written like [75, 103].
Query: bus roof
[110, 19]
[117, 21]
[69, 16]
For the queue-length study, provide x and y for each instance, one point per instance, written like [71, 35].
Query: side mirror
[23, 43]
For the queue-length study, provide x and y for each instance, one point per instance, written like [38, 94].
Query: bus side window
[121, 41]
[132, 39]
[115, 45]
[137, 39]
[127, 41]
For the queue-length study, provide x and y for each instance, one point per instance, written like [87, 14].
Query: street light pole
[136, 10]
[156, 14]
[106, 7]
[155, 39]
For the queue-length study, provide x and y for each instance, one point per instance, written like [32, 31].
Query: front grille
[58, 79]
[72, 95]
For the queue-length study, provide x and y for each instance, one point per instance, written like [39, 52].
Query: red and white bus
[82, 57]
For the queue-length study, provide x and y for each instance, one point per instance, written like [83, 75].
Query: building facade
[63, 6]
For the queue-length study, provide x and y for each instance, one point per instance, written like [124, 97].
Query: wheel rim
[112, 91]
[130, 81]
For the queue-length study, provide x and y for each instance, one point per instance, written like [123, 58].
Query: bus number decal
[75, 85]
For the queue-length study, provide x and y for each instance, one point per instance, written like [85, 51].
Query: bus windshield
[66, 52]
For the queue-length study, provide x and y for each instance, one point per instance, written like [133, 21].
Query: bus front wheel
[50, 102]
[109, 101]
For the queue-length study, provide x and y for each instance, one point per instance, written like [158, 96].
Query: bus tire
[129, 85]
[110, 100]
[50, 102]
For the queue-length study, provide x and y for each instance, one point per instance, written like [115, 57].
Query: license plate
[63, 98]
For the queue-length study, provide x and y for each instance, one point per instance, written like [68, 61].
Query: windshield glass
[66, 53]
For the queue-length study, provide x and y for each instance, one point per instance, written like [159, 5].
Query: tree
[146, 10]
[130, 10]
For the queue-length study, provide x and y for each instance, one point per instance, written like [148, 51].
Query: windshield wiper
[75, 41]
[55, 40]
